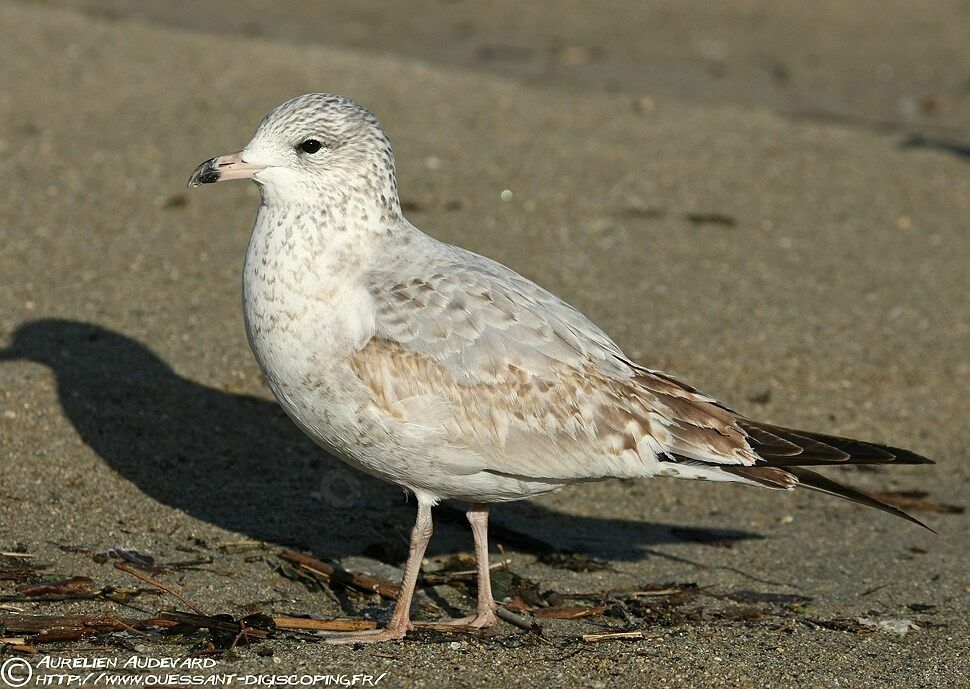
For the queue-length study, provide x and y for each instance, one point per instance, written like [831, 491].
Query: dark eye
[310, 146]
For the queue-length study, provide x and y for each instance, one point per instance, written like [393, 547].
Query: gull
[451, 375]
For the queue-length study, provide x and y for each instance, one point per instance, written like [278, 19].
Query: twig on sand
[240, 546]
[45, 629]
[505, 561]
[335, 573]
[64, 589]
[501, 564]
[530, 625]
[128, 627]
[125, 567]
[569, 612]
[385, 588]
[621, 636]
[659, 592]
[241, 628]
[870, 591]
[240, 635]
[307, 624]
[34, 624]
[16, 644]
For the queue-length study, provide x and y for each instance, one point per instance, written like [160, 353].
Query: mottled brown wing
[505, 369]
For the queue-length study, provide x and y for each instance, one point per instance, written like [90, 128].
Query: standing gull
[451, 375]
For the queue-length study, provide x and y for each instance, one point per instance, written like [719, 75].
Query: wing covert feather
[527, 382]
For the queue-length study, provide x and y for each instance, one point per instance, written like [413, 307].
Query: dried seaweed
[132, 557]
[17, 567]
[573, 562]
[666, 605]
[335, 574]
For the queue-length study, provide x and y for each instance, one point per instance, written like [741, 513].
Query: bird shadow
[236, 461]
[954, 148]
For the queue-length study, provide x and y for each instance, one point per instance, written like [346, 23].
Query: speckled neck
[317, 240]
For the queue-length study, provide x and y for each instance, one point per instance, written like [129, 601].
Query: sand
[809, 271]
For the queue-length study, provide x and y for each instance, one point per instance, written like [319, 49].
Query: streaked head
[313, 149]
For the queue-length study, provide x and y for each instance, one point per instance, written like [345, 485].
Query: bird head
[319, 148]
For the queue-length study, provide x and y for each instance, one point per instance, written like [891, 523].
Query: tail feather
[784, 452]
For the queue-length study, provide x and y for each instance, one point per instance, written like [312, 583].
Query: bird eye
[310, 146]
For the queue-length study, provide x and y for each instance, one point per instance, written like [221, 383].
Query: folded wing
[504, 368]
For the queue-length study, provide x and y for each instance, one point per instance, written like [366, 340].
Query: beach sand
[798, 251]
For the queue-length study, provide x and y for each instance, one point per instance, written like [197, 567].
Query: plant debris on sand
[640, 614]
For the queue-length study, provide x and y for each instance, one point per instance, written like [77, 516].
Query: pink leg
[485, 617]
[400, 621]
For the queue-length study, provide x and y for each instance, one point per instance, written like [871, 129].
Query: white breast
[306, 313]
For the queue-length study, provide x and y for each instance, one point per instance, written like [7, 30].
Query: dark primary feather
[787, 447]
[814, 481]
[784, 452]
